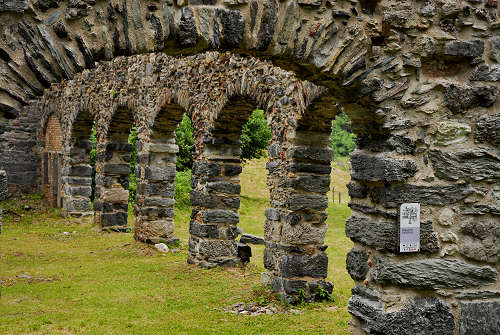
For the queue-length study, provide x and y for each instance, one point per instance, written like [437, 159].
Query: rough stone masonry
[4, 191]
[419, 79]
[218, 111]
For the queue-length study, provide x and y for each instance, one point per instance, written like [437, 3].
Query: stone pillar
[155, 175]
[215, 202]
[112, 184]
[216, 187]
[295, 227]
[155, 172]
[4, 189]
[451, 167]
[77, 179]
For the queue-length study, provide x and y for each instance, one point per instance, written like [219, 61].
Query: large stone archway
[218, 110]
[418, 78]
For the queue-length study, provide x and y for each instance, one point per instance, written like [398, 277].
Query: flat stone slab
[383, 235]
[251, 239]
[475, 163]
[417, 316]
[433, 273]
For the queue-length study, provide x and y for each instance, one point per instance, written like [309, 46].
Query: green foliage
[183, 189]
[185, 141]
[301, 297]
[254, 139]
[264, 295]
[323, 294]
[342, 138]
[255, 136]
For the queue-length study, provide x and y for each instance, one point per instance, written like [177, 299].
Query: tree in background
[254, 139]
[255, 136]
[185, 141]
[342, 138]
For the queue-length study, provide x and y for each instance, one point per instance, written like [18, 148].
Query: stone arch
[316, 40]
[215, 195]
[388, 58]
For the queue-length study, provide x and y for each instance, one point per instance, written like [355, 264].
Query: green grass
[89, 282]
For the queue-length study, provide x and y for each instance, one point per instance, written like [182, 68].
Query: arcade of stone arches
[419, 80]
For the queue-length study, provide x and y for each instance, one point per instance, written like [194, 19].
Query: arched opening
[254, 195]
[51, 161]
[77, 170]
[113, 155]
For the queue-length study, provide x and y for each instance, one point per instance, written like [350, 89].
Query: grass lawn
[62, 276]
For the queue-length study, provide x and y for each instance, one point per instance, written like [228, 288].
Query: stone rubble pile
[254, 309]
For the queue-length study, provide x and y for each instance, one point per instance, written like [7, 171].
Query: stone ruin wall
[420, 81]
[153, 92]
[3, 186]
[51, 156]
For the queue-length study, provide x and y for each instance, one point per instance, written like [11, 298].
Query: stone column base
[296, 276]
[66, 214]
[211, 253]
[295, 291]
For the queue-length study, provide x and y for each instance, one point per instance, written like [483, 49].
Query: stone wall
[76, 170]
[153, 92]
[51, 164]
[20, 151]
[4, 191]
[420, 80]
